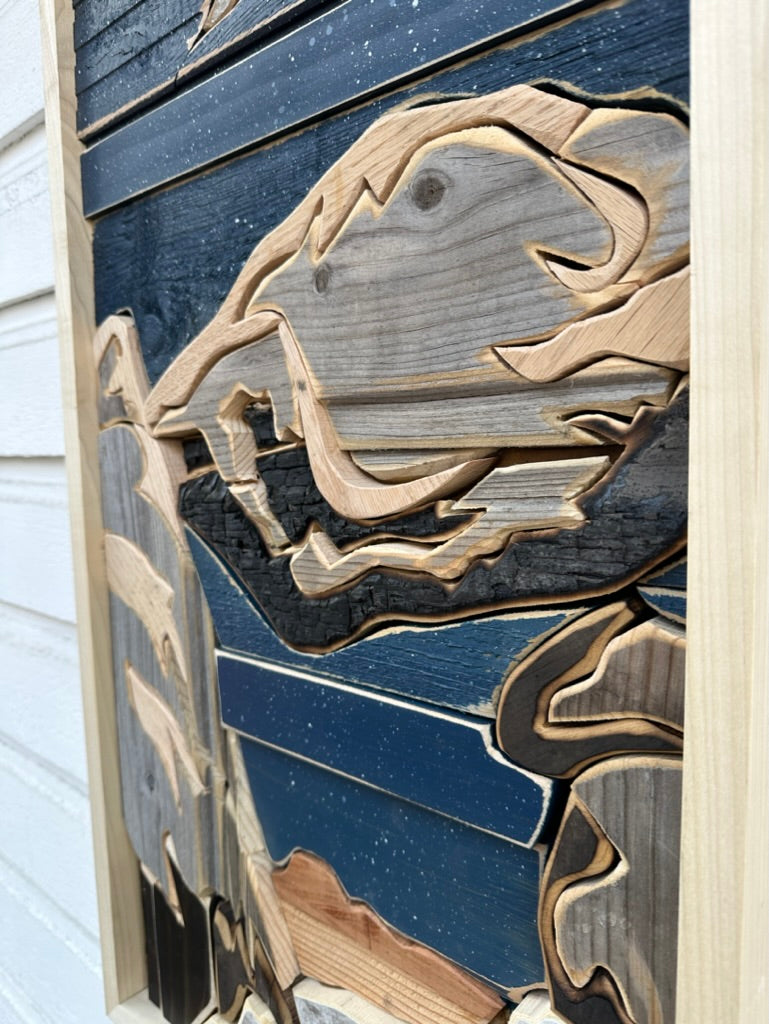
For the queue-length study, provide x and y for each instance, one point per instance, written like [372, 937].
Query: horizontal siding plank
[50, 960]
[334, 60]
[22, 106]
[46, 833]
[26, 255]
[29, 370]
[35, 554]
[40, 670]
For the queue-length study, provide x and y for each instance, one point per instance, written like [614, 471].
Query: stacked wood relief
[395, 513]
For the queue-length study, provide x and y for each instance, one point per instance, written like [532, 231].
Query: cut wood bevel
[160, 725]
[323, 1004]
[460, 666]
[402, 860]
[343, 942]
[532, 738]
[641, 672]
[580, 851]
[598, 556]
[651, 153]
[638, 897]
[508, 500]
[653, 325]
[496, 407]
[666, 601]
[386, 165]
[393, 465]
[629, 221]
[425, 756]
[182, 780]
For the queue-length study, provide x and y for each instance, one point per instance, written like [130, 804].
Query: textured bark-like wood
[637, 897]
[651, 153]
[507, 500]
[641, 672]
[321, 1004]
[608, 550]
[529, 734]
[342, 942]
[652, 325]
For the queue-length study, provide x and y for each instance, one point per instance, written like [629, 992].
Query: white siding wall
[49, 953]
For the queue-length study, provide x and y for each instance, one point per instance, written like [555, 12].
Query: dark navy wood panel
[461, 891]
[442, 761]
[460, 666]
[665, 591]
[129, 54]
[171, 257]
[345, 55]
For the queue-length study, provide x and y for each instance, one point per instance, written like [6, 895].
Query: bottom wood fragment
[322, 1004]
[344, 943]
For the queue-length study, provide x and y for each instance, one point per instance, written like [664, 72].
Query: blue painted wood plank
[671, 603]
[333, 60]
[672, 577]
[460, 666]
[440, 760]
[459, 890]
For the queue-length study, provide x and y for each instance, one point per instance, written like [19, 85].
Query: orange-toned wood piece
[343, 942]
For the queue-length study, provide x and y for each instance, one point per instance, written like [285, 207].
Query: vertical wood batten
[724, 916]
[116, 874]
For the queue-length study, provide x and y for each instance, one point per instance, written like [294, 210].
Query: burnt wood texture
[394, 460]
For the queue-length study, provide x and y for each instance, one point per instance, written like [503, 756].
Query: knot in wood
[428, 189]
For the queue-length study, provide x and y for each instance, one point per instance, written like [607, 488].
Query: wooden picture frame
[724, 923]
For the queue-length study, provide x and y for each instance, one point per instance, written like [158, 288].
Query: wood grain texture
[638, 896]
[385, 54]
[508, 500]
[343, 942]
[117, 878]
[653, 325]
[177, 220]
[425, 756]
[402, 859]
[321, 1004]
[596, 556]
[726, 795]
[641, 672]
[545, 742]
[459, 666]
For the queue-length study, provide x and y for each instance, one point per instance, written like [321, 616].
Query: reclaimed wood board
[374, 739]
[109, 179]
[400, 859]
[343, 942]
[460, 666]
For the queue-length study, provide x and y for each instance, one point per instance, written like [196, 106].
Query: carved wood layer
[451, 383]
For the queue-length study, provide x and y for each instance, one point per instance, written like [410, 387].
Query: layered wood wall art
[394, 516]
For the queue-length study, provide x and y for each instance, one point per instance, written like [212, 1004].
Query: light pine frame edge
[724, 906]
[724, 903]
